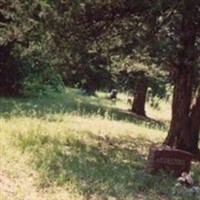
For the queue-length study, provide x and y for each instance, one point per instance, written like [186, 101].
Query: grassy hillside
[73, 146]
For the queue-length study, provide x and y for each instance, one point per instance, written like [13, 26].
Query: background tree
[25, 60]
[9, 69]
[141, 82]
[167, 33]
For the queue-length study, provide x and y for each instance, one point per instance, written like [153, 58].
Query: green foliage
[89, 74]
[80, 49]
[128, 73]
[39, 75]
[26, 64]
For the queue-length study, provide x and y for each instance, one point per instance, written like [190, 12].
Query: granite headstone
[168, 159]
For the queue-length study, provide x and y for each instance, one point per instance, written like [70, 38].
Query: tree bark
[195, 119]
[179, 134]
[9, 72]
[184, 128]
[139, 100]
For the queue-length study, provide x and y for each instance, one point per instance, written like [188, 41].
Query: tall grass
[73, 146]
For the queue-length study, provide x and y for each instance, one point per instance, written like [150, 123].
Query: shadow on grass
[103, 167]
[72, 102]
[97, 167]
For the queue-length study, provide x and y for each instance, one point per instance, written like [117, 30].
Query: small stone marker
[113, 94]
[168, 159]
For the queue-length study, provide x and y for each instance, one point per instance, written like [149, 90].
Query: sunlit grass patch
[96, 158]
[73, 102]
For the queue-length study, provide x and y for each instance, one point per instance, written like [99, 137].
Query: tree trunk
[195, 119]
[9, 72]
[139, 100]
[179, 134]
[184, 128]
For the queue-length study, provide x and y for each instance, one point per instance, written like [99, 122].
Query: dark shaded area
[100, 166]
[10, 75]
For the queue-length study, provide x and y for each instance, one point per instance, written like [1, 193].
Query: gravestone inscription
[168, 159]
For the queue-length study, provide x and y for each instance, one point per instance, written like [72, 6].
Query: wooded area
[134, 46]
